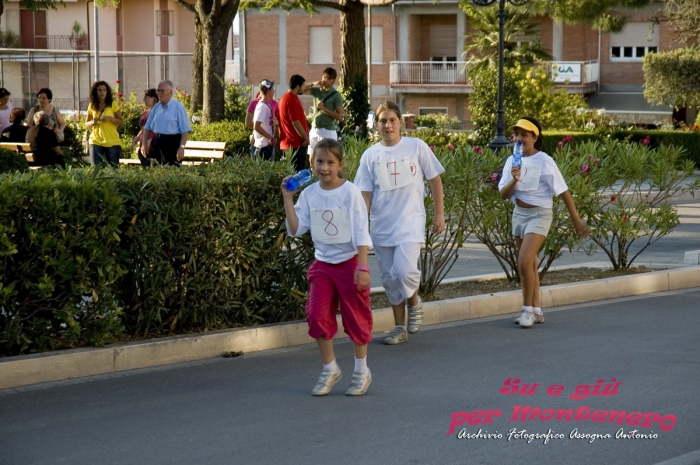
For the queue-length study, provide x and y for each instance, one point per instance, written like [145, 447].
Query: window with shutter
[635, 41]
[165, 22]
[377, 43]
[320, 45]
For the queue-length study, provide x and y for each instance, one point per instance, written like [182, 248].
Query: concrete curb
[39, 368]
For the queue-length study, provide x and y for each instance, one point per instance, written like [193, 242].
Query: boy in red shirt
[294, 130]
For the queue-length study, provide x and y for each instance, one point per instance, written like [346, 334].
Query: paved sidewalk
[256, 409]
[475, 259]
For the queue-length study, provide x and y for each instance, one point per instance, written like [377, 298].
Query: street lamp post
[500, 141]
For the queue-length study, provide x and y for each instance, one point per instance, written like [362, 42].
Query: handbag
[60, 136]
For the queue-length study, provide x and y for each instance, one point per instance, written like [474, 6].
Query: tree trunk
[215, 37]
[197, 68]
[353, 59]
[217, 18]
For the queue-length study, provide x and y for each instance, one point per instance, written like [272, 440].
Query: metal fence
[70, 73]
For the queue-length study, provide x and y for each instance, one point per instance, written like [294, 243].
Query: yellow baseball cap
[526, 125]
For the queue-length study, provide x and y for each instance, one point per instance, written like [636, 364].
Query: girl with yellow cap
[531, 187]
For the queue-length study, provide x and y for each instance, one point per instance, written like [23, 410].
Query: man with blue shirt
[168, 120]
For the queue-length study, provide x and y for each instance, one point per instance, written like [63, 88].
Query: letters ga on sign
[566, 71]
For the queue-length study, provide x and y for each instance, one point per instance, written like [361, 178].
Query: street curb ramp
[40, 368]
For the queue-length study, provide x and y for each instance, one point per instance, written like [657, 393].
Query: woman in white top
[5, 110]
[390, 177]
[531, 187]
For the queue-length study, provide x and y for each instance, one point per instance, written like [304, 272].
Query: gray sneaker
[360, 383]
[326, 382]
[415, 317]
[396, 336]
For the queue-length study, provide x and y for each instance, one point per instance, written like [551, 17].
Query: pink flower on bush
[120, 95]
[432, 147]
[597, 160]
[176, 88]
[584, 168]
[695, 127]
[451, 147]
[478, 150]
[612, 199]
[645, 141]
[560, 144]
[494, 176]
[118, 81]
[624, 219]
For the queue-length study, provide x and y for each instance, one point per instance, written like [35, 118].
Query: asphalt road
[257, 409]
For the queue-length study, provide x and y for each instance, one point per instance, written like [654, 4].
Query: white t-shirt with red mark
[394, 176]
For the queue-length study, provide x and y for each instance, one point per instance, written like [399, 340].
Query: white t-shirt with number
[337, 220]
[394, 176]
[540, 179]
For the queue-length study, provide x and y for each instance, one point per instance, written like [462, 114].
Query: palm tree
[482, 38]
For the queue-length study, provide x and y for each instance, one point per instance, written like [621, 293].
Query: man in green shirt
[328, 108]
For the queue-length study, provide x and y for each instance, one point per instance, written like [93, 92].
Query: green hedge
[234, 133]
[59, 241]
[688, 140]
[157, 251]
[11, 161]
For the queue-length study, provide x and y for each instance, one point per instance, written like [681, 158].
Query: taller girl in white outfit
[390, 177]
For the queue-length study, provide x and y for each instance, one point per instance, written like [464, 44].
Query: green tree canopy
[673, 77]
[683, 17]
[482, 39]
[604, 14]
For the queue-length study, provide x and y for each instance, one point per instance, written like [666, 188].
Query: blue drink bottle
[298, 180]
[518, 154]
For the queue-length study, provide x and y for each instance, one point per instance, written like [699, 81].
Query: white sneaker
[326, 382]
[527, 319]
[537, 318]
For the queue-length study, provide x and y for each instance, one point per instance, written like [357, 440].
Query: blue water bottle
[298, 180]
[518, 154]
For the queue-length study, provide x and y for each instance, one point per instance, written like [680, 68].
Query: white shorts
[318, 134]
[400, 273]
[536, 220]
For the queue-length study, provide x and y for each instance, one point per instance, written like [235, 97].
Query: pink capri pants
[333, 284]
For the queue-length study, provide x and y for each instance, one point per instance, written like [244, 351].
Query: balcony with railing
[55, 42]
[429, 76]
[451, 77]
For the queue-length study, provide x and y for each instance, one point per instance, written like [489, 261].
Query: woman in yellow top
[103, 116]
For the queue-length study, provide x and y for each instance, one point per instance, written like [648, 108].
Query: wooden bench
[196, 152]
[21, 148]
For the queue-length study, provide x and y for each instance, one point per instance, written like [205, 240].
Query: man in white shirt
[264, 129]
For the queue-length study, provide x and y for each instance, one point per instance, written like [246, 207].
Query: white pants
[400, 273]
[318, 134]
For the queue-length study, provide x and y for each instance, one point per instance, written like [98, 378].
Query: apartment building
[140, 43]
[417, 56]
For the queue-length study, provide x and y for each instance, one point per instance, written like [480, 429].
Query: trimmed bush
[11, 161]
[689, 141]
[234, 133]
[209, 248]
[88, 253]
[59, 242]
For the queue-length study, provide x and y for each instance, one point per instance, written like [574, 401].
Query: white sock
[537, 310]
[333, 366]
[527, 308]
[361, 365]
[401, 326]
